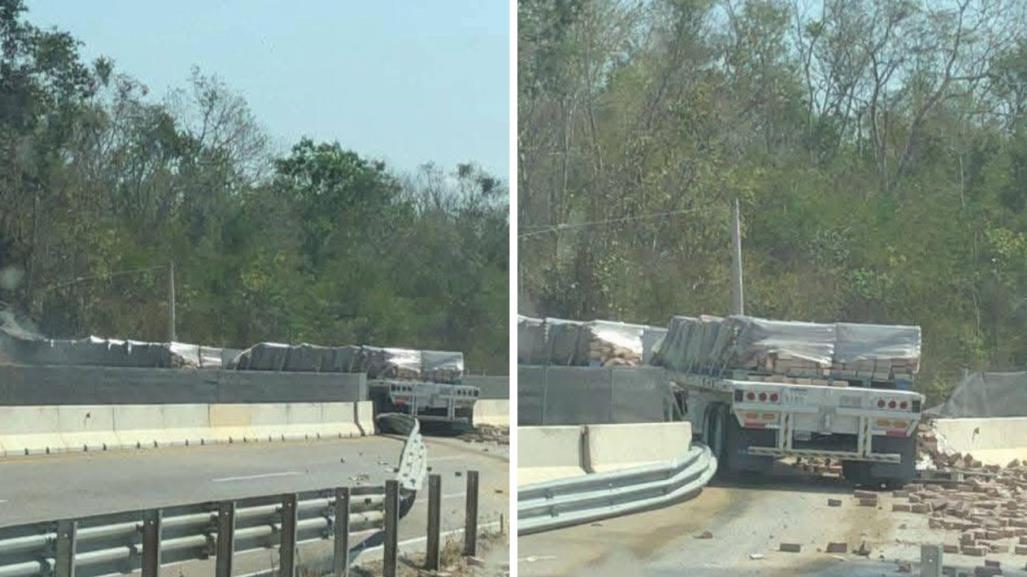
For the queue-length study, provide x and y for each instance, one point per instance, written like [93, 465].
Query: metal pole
[738, 297]
[226, 539]
[171, 302]
[471, 518]
[391, 545]
[287, 547]
[151, 543]
[930, 561]
[64, 556]
[340, 561]
[431, 556]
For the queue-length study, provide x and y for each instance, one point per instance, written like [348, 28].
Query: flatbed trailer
[427, 401]
[749, 423]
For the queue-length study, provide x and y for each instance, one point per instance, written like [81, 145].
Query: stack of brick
[988, 510]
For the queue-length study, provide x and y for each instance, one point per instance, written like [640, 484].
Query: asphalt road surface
[747, 523]
[81, 484]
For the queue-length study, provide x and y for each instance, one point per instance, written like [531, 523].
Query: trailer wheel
[729, 442]
[884, 475]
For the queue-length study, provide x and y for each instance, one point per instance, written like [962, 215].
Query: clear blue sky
[405, 81]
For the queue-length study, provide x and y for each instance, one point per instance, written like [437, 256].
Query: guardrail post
[471, 516]
[64, 562]
[151, 542]
[226, 539]
[431, 556]
[287, 546]
[930, 561]
[340, 561]
[391, 546]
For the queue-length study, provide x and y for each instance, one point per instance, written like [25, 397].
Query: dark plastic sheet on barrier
[986, 395]
[489, 387]
[31, 385]
[592, 395]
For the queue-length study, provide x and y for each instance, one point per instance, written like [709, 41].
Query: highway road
[81, 484]
[746, 524]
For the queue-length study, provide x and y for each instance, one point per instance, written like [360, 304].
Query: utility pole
[738, 297]
[171, 302]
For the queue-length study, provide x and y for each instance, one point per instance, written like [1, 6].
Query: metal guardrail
[566, 502]
[146, 540]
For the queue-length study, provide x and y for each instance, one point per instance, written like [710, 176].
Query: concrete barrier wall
[993, 441]
[548, 453]
[494, 412]
[616, 447]
[60, 385]
[28, 430]
[563, 452]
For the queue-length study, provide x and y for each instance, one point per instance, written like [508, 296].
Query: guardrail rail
[146, 540]
[577, 500]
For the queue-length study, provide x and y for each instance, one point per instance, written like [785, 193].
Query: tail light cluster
[754, 397]
[898, 405]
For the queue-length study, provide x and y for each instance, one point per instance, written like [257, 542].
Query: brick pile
[989, 512]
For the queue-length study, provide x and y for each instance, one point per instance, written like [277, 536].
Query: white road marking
[252, 477]
[2, 501]
[454, 495]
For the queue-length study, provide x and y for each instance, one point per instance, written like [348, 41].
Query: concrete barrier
[617, 447]
[548, 453]
[993, 441]
[142, 426]
[28, 430]
[495, 412]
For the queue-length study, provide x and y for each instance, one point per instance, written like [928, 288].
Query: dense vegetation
[101, 186]
[878, 148]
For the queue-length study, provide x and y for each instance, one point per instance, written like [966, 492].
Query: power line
[579, 225]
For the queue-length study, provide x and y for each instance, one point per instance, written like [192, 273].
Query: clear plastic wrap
[565, 344]
[390, 363]
[862, 351]
[612, 344]
[442, 366]
[877, 349]
[531, 341]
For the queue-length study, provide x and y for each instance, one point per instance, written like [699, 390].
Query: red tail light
[891, 405]
[880, 403]
[751, 396]
[763, 397]
[773, 397]
[903, 405]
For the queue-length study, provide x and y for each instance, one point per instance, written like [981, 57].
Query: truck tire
[729, 442]
[884, 475]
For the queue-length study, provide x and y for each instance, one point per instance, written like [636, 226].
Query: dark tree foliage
[877, 147]
[102, 186]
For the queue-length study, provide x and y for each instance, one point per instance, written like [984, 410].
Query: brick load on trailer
[757, 390]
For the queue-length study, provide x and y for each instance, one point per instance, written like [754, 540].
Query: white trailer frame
[806, 410]
[417, 396]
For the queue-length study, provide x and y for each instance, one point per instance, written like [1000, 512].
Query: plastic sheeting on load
[864, 341]
[377, 362]
[531, 341]
[96, 351]
[614, 344]
[759, 339]
[442, 366]
[741, 342]
[564, 343]
[560, 342]
[986, 395]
